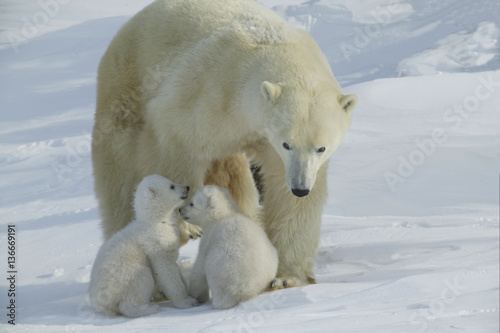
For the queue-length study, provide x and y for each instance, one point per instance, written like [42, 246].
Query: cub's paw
[284, 282]
[188, 231]
[186, 303]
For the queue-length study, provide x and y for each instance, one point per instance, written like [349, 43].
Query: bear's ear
[270, 91]
[348, 102]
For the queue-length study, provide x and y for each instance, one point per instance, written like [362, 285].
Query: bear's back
[202, 18]
[166, 25]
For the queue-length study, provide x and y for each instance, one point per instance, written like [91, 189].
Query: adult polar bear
[193, 90]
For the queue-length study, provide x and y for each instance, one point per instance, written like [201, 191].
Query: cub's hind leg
[136, 300]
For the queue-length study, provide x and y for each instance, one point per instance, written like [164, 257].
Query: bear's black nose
[300, 193]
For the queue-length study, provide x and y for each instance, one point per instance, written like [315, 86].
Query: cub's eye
[191, 204]
[286, 146]
[172, 187]
[321, 150]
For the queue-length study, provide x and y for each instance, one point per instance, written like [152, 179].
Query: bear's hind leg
[234, 174]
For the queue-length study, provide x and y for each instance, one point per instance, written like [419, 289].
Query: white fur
[236, 260]
[129, 263]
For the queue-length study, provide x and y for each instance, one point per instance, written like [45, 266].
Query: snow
[410, 234]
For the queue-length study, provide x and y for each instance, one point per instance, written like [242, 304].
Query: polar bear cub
[236, 261]
[143, 253]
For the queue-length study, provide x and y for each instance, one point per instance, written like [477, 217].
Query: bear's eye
[172, 187]
[286, 146]
[321, 150]
[192, 205]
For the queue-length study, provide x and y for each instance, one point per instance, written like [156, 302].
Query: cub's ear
[210, 201]
[151, 192]
[348, 102]
[270, 91]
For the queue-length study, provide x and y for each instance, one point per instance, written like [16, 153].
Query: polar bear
[129, 263]
[196, 90]
[236, 260]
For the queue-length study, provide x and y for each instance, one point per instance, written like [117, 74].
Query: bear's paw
[188, 231]
[287, 282]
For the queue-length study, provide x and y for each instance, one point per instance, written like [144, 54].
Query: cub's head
[209, 204]
[305, 124]
[156, 197]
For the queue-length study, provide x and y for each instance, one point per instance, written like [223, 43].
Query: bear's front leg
[293, 225]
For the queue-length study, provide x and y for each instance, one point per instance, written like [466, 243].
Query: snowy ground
[410, 236]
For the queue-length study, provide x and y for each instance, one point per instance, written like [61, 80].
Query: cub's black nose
[300, 193]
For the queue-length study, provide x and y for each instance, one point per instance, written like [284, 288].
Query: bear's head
[211, 203]
[157, 197]
[305, 124]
